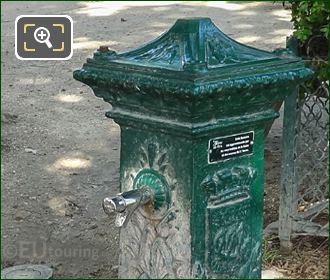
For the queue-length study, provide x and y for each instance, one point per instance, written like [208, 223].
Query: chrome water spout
[124, 204]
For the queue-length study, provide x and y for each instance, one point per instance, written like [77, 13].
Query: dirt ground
[60, 154]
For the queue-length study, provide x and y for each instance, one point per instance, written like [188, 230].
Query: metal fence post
[288, 188]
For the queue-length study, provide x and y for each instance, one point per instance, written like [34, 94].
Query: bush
[310, 18]
[311, 28]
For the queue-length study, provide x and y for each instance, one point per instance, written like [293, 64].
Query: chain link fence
[304, 203]
[311, 163]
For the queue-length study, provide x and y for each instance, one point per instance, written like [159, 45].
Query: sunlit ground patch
[69, 98]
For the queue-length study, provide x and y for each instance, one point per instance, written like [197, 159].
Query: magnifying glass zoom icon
[41, 35]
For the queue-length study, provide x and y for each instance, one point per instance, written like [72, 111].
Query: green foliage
[310, 18]
[311, 23]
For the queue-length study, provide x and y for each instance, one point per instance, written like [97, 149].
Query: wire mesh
[311, 163]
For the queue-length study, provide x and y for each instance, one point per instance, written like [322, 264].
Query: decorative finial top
[192, 44]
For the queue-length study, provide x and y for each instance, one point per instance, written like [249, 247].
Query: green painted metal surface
[190, 93]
